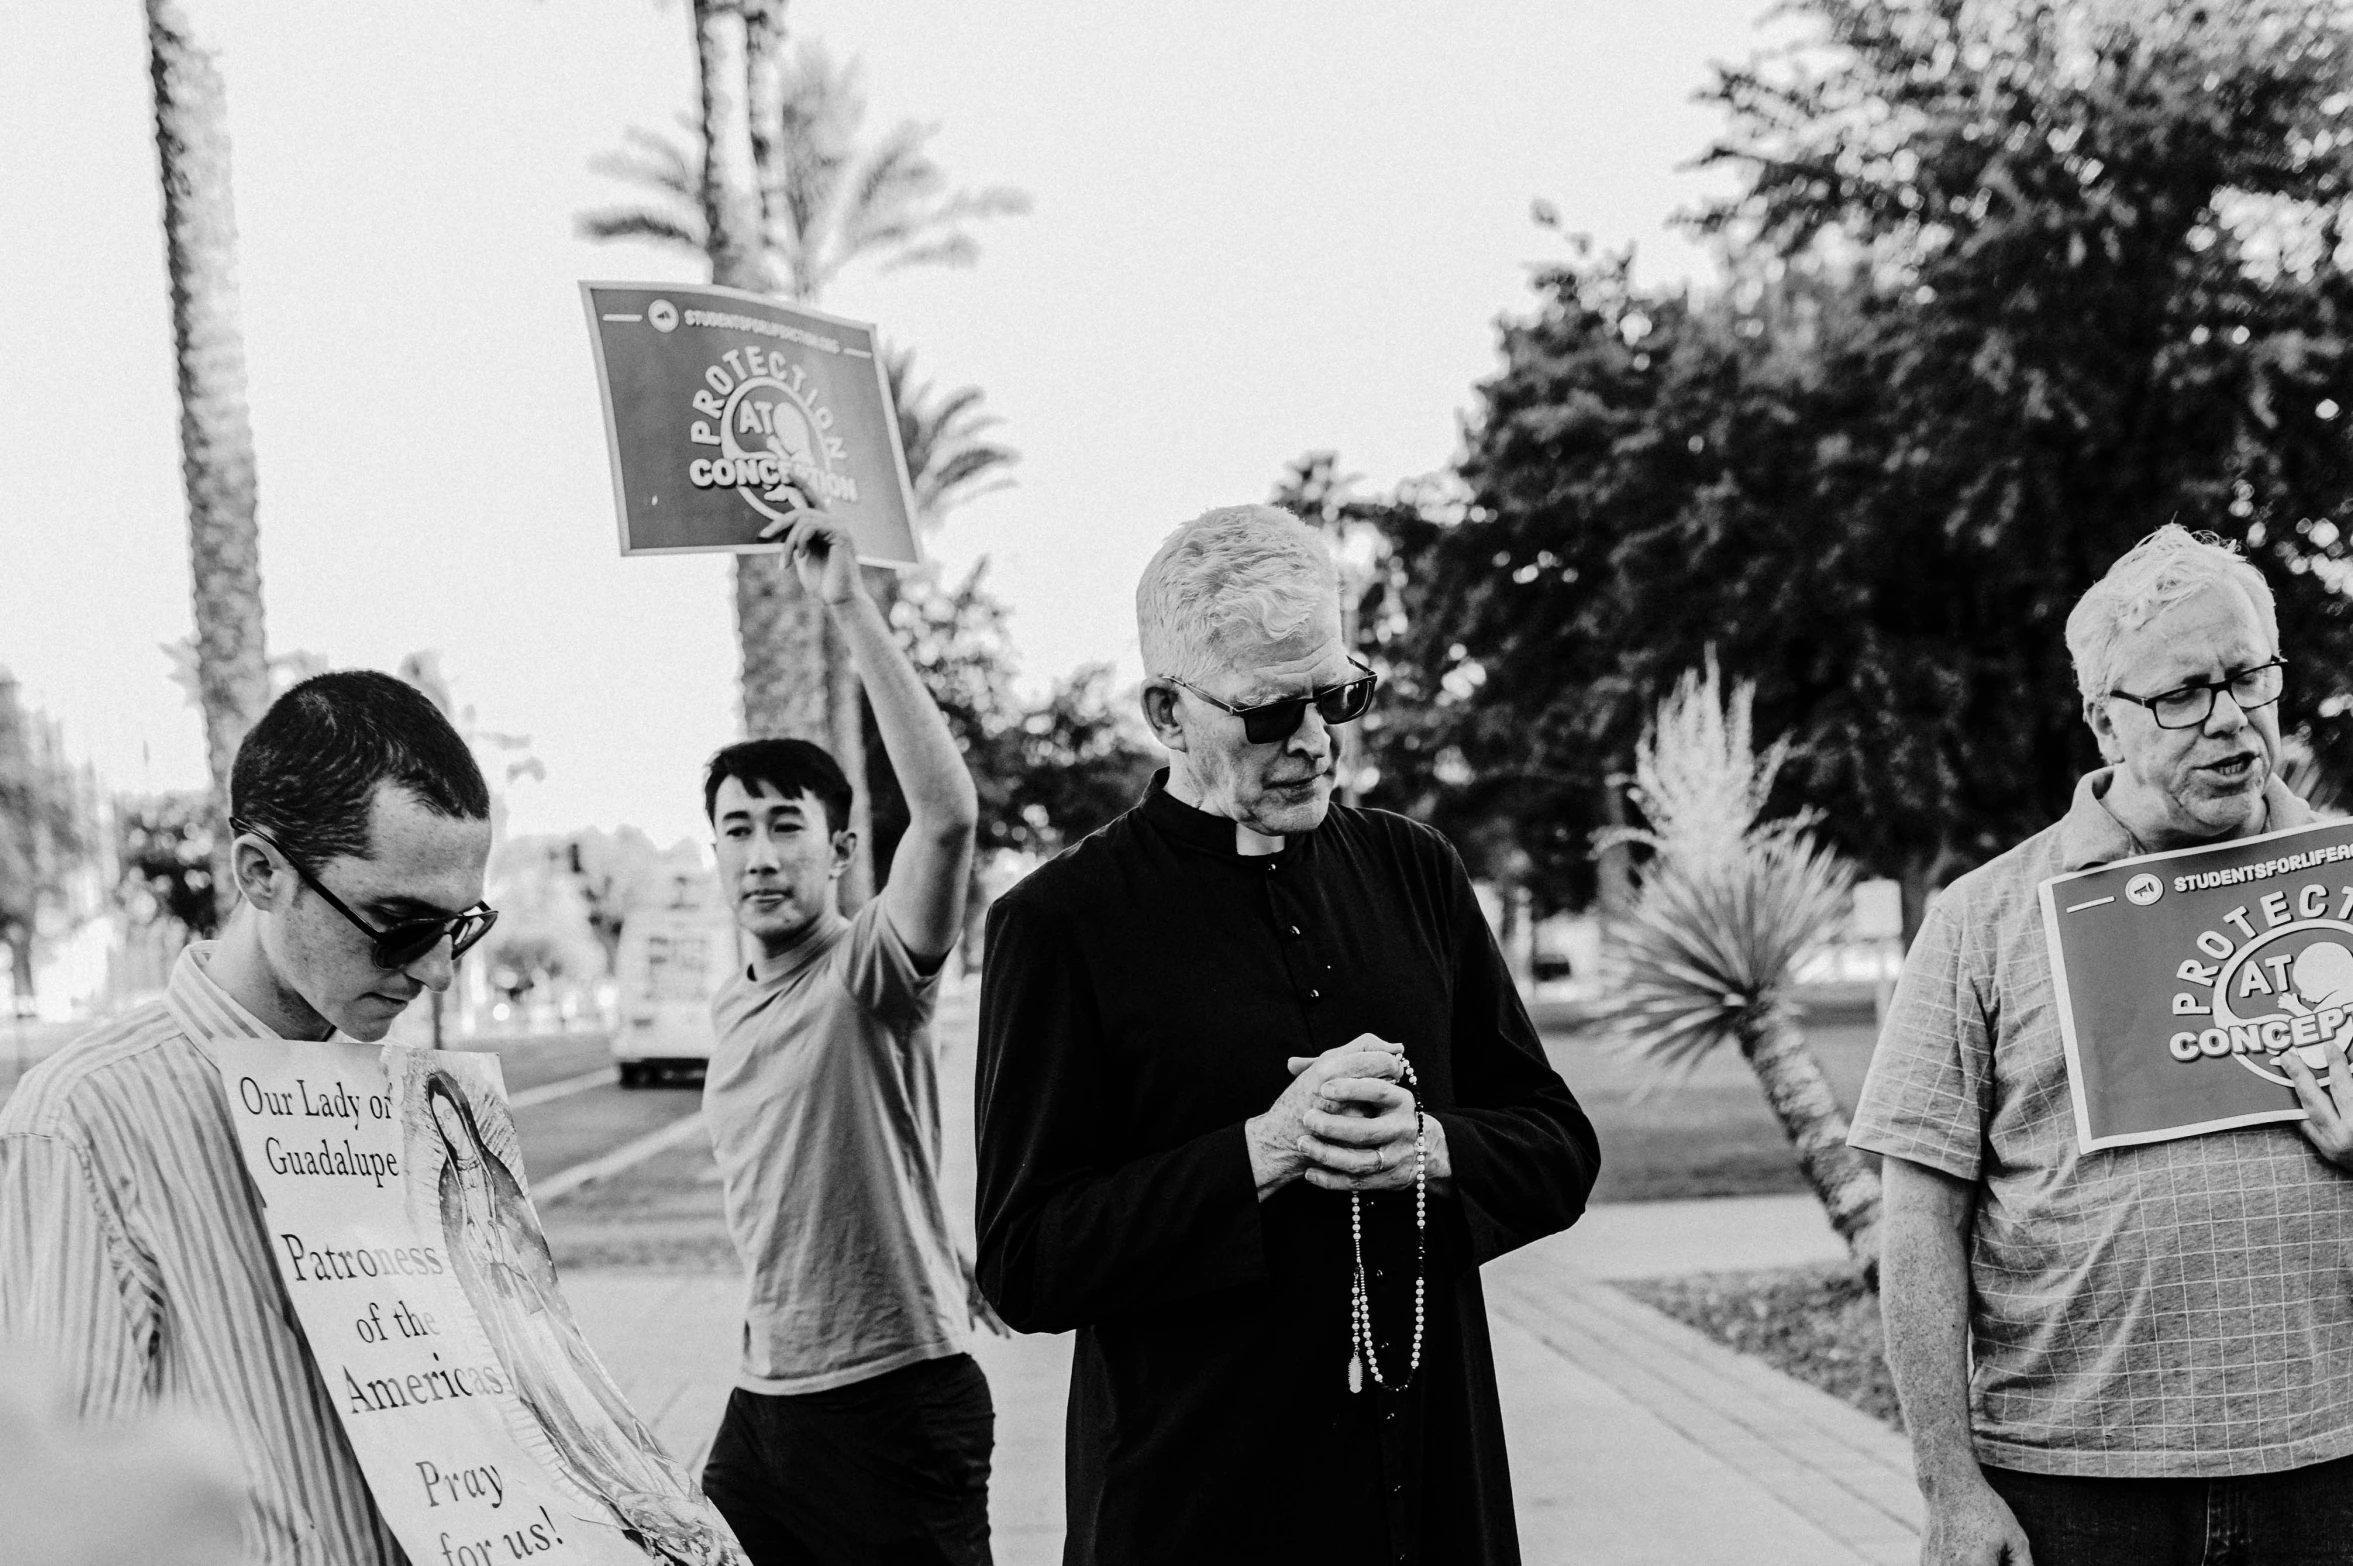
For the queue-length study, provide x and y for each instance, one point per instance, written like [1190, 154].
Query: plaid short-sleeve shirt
[2176, 1309]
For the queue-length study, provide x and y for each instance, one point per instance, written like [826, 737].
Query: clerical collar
[1201, 830]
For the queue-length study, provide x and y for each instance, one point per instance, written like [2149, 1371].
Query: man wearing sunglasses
[1231, 1043]
[2136, 1354]
[133, 1250]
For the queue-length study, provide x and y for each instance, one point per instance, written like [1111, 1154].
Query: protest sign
[488, 1430]
[2182, 978]
[726, 412]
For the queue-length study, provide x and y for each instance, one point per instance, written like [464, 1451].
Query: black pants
[2298, 1517]
[891, 1471]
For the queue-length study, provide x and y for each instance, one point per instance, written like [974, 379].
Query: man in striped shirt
[133, 1252]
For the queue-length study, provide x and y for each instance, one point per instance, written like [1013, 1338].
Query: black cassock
[1141, 995]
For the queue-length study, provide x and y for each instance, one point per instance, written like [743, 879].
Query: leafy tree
[164, 844]
[615, 874]
[2012, 284]
[950, 459]
[1075, 760]
[543, 932]
[1048, 773]
[46, 830]
[1417, 751]
[216, 434]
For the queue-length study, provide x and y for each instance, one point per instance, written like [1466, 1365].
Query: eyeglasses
[396, 945]
[2189, 706]
[1279, 720]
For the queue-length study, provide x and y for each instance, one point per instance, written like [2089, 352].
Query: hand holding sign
[823, 554]
[2329, 1110]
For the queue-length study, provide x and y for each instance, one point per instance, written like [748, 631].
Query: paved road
[560, 1132]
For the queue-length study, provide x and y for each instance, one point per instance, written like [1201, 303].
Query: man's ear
[2103, 727]
[845, 843]
[255, 873]
[1161, 714]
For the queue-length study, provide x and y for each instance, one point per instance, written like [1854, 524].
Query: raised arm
[925, 896]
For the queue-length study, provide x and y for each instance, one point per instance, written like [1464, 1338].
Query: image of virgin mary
[502, 1262]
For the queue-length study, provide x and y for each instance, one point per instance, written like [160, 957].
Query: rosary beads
[1361, 1354]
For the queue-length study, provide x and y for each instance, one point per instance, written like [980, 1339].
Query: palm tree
[1728, 907]
[825, 202]
[216, 435]
[950, 460]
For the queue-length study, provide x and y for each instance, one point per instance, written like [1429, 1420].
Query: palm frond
[956, 250]
[652, 159]
[967, 206]
[940, 434]
[638, 223]
[826, 202]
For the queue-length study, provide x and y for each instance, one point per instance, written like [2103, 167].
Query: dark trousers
[2298, 1517]
[890, 1471]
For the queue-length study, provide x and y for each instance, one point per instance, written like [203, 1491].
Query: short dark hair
[307, 772]
[790, 767]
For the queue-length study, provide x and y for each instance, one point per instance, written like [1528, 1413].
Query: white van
[671, 960]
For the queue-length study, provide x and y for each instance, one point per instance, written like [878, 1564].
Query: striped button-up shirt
[133, 1253]
[2175, 1309]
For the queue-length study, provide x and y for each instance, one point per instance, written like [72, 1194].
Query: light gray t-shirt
[823, 1106]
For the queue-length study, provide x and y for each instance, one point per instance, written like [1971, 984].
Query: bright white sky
[1262, 227]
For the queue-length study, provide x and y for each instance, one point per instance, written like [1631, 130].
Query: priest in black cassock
[1257, 1098]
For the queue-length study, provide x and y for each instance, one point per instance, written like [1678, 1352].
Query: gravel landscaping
[1819, 1324]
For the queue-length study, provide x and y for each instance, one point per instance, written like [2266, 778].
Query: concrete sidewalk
[1635, 1441]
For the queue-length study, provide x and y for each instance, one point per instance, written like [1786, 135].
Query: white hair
[2160, 571]
[1254, 569]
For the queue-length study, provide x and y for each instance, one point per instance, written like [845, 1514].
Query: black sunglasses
[1279, 720]
[396, 945]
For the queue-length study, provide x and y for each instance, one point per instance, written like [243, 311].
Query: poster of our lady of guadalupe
[489, 1431]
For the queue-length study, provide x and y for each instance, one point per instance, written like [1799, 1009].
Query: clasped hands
[1346, 1123]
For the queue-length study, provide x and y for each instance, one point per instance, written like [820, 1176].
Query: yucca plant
[1727, 908]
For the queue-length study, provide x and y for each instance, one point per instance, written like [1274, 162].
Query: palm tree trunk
[782, 634]
[800, 681]
[216, 435]
[1843, 1179]
[731, 195]
[779, 630]
[18, 938]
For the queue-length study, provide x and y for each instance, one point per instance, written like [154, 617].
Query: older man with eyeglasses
[134, 1256]
[2141, 1354]
[1257, 1098]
